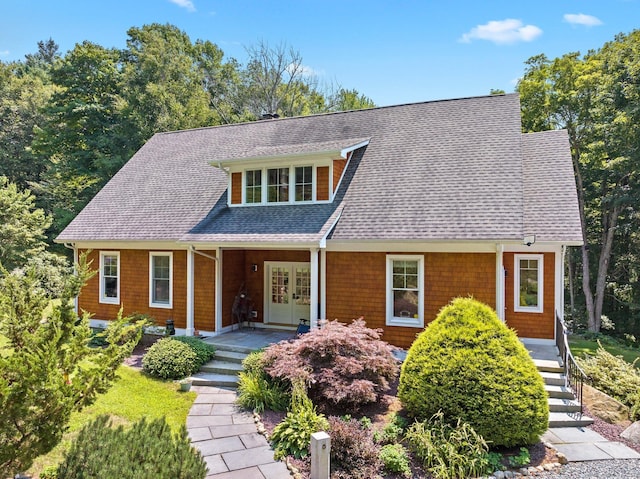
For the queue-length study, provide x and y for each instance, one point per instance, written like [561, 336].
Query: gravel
[616, 469]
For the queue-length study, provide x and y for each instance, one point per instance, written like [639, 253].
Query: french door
[287, 292]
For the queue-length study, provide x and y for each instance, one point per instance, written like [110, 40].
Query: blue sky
[392, 51]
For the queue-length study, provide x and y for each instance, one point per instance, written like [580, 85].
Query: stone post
[320, 451]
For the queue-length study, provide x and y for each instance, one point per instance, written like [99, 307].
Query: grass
[132, 396]
[581, 347]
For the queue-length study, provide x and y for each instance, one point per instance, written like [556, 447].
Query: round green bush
[169, 359]
[204, 351]
[470, 366]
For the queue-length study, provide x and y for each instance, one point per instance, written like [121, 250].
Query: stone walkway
[228, 439]
[583, 444]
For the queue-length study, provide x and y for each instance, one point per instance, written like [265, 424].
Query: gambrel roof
[435, 171]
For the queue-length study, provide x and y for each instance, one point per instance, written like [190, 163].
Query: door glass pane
[279, 285]
[303, 286]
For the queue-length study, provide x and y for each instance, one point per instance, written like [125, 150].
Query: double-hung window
[304, 183]
[160, 280]
[253, 186]
[110, 277]
[528, 283]
[278, 185]
[405, 290]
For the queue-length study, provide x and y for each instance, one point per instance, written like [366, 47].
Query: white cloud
[4, 53]
[188, 4]
[503, 32]
[303, 70]
[582, 19]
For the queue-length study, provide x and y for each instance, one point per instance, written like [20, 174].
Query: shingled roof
[442, 170]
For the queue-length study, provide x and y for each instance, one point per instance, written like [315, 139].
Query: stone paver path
[228, 438]
[582, 444]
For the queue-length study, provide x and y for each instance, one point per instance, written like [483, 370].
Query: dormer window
[253, 186]
[304, 183]
[278, 185]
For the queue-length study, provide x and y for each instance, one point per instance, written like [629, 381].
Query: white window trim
[152, 254]
[292, 185]
[516, 285]
[398, 321]
[103, 299]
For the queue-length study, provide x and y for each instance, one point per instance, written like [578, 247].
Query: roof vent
[269, 116]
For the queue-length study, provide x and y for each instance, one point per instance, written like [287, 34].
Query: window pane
[161, 267]
[278, 185]
[161, 281]
[161, 291]
[110, 287]
[529, 283]
[405, 304]
[304, 183]
[253, 187]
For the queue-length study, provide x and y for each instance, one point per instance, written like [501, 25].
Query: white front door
[287, 292]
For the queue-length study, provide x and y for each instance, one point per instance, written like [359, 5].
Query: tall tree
[595, 98]
[165, 80]
[22, 225]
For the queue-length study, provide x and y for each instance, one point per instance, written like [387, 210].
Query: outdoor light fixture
[529, 240]
[254, 267]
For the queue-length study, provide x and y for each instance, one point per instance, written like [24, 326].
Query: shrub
[448, 451]
[147, 450]
[345, 366]
[470, 366]
[614, 376]
[169, 359]
[255, 391]
[204, 352]
[395, 459]
[392, 431]
[49, 472]
[292, 436]
[353, 452]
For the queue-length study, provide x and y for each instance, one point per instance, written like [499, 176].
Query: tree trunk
[609, 223]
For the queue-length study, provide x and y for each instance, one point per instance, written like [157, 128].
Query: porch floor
[247, 340]
[542, 352]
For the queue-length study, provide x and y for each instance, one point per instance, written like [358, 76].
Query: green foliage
[345, 365]
[204, 351]
[392, 431]
[614, 376]
[523, 458]
[169, 359]
[471, 367]
[22, 226]
[448, 451]
[354, 454]
[49, 472]
[257, 390]
[47, 369]
[494, 461]
[147, 450]
[292, 436]
[395, 459]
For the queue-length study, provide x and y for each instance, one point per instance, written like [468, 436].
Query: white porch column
[313, 313]
[190, 292]
[559, 293]
[218, 292]
[500, 280]
[323, 283]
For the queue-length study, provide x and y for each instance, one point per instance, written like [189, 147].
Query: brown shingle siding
[236, 188]
[322, 183]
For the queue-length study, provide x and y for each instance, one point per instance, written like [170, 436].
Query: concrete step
[235, 348]
[230, 356]
[213, 379]
[221, 367]
[549, 366]
[563, 419]
[563, 405]
[559, 392]
[553, 379]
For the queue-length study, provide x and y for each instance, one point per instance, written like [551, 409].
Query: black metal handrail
[573, 374]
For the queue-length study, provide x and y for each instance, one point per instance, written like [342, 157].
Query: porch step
[231, 348]
[230, 356]
[214, 379]
[563, 419]
[553, 379]
[563, 405]
[548, 366]
[559, 392]
[221, 367]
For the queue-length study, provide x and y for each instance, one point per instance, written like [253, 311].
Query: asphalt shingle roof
[443, 170]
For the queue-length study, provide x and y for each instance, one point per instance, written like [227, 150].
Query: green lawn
[580, 346]
[133, 396]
